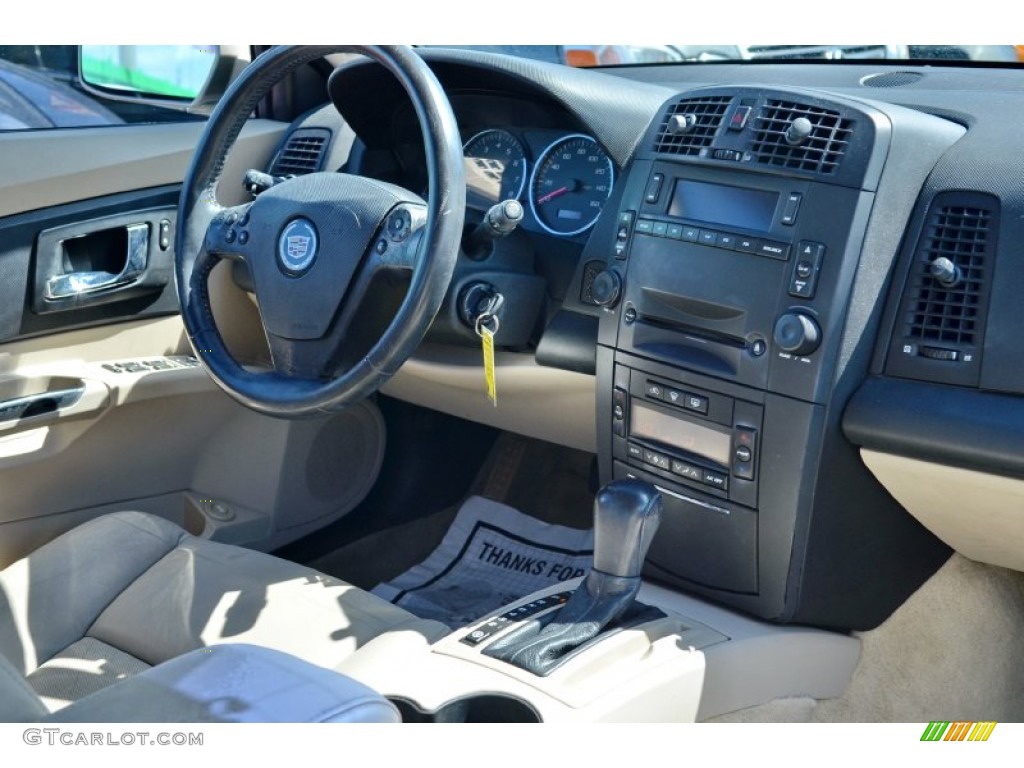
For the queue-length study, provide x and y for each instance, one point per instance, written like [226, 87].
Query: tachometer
[570, 183]
[495, 168]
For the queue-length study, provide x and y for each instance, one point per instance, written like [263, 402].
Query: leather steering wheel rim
[284, 394]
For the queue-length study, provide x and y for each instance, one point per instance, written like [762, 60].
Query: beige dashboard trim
[544, 403]
[977, 514]
[57, 166]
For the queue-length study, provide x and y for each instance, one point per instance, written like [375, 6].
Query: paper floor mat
[490, 556]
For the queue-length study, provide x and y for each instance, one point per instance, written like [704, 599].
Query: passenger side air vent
[940, 328]
[800, 137]
[690, 125]
[302, 153]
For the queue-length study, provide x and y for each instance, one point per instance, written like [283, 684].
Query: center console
[726, 353]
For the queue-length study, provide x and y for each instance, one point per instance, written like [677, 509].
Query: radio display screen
[708, 440]
[728, 206]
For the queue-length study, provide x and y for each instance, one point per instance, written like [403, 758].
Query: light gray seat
[129, 591]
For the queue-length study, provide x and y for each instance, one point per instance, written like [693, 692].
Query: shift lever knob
[626, 516]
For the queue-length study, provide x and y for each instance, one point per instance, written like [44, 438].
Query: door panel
[101, 406]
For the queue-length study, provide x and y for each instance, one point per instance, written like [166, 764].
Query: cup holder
[483, 708]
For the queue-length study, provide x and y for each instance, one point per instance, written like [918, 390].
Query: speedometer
[570, 183]
[495, 168]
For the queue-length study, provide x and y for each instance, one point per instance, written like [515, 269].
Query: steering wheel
[315, 245]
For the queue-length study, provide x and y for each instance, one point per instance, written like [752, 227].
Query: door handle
[86, 283]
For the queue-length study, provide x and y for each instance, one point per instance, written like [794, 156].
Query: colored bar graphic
[958, 731]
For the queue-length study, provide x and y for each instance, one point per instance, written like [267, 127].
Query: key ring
[483, 320]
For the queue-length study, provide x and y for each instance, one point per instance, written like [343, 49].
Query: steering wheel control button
[382, 246]
[297, 247]
[399, 225]
[229, 236]
[244, 220]
[243, 237]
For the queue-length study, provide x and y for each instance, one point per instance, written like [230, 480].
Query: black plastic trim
[949, 425]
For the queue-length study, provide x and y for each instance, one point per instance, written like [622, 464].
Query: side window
[70, 86]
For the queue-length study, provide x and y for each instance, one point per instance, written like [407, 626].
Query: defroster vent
[690, 125]
[302, 153]
[940, 329]
[801, 137]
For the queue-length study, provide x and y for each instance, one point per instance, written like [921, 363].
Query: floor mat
[490, 556]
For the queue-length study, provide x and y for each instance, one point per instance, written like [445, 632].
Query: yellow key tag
[487, 337]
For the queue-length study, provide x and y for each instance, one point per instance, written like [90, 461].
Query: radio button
[727, 241]
[774, 250]
[654, 390]
[708, 237]
[695, 403]
[675, 231]
[654, 188]
[743, 455]
[791, 208]
[748, 244]
[634, 451]
[691, 234]
[660, 229]
[644, 226]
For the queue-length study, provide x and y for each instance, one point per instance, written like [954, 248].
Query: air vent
[947, 312]
[826, 136]
[302, 153]
[702, 117]
[942, 315]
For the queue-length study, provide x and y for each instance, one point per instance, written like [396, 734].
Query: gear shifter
[626, 516]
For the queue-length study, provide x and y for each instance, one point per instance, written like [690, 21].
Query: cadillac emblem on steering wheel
[297, 247]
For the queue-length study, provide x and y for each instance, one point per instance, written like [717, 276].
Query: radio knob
[797, 334]
[606, 288]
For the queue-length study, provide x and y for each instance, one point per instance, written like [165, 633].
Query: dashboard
[789, 288]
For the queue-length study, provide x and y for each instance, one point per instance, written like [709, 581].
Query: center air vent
[302, 153]
[800, 137]
[940, 329]
[690, 125]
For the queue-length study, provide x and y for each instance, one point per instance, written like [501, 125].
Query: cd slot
[704, 334]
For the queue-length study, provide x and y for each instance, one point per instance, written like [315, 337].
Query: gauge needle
[552, 195]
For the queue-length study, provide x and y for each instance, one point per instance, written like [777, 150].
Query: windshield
[634, 55]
